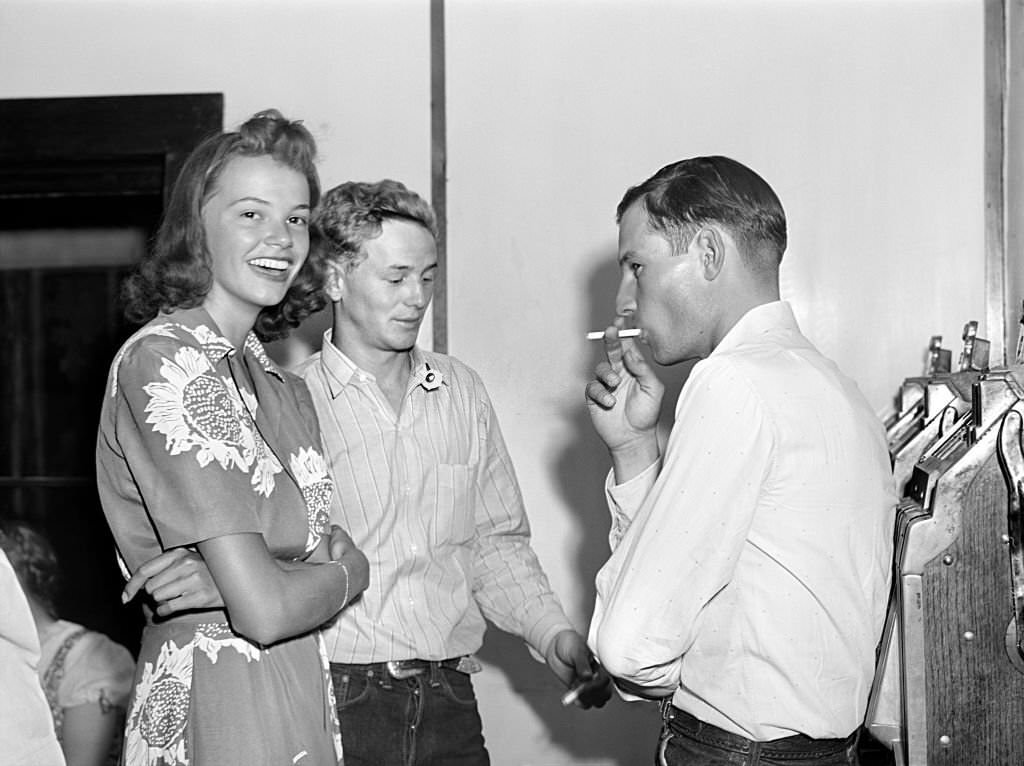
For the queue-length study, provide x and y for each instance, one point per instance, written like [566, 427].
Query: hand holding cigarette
[592, 691]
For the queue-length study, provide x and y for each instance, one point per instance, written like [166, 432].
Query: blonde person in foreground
[208, 449]
[751, 559]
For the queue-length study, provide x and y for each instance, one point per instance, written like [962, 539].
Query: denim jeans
[428, 719]
[687, 741]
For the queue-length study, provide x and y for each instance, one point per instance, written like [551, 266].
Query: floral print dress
[197, 440]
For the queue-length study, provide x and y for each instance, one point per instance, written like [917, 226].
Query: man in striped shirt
[429, 495]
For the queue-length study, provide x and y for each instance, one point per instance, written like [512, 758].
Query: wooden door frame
[1004, 175]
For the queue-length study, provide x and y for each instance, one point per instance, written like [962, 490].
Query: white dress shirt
[750, 568]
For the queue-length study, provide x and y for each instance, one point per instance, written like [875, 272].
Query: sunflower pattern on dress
[193, 408]
[199, 408]
[154, 732]
[310, 471]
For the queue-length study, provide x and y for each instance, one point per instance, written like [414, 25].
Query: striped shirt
[432, 500]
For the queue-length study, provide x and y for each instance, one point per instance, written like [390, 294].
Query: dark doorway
[82, 187]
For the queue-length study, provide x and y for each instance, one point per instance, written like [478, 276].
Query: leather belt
[401, 669]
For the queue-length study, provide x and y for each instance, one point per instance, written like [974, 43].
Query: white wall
[865, 115]
[356, 71]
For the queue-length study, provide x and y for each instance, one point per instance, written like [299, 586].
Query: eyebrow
[260, 200]
[404, 267]
[623, 257]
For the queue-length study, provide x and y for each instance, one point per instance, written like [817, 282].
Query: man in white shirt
[751, 558]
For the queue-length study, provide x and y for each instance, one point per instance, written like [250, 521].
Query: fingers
[151, 568]
[606, 380]
[636, 365]
[613, 347]
[167, 577]
[599, 394]
[597, 692]
[340, 543]
[131, 588]
[166, 589]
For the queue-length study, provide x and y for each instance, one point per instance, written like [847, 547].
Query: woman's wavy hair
[176, 271]
[34, 561]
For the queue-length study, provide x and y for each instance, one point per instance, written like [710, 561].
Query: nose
[625, 298]
[418, 294]
[279, 234]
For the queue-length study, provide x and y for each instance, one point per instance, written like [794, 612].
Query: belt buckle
[398, 670]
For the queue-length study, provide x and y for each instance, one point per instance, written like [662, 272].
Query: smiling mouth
[271, 265]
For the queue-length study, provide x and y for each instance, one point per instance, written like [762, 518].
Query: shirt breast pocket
[455, 504]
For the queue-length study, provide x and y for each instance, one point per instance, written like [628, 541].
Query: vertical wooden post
[1013, 165]
[439, 171]
[998, 304]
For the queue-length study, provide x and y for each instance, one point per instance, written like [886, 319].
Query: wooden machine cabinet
[950, 688]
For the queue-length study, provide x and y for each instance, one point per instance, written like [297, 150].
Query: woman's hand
[177, 580]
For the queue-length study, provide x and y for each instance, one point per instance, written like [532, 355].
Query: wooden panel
[67, 127]
[975, 697]
[157, 132]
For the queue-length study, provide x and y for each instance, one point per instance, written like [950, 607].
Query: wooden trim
[439, 171]
[1013, 169]
[995, 252]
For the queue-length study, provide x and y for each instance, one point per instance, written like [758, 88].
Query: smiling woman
[207, 448]
[256, 223]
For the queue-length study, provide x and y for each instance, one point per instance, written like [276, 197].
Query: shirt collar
[341, 371]
[767, 317]
[216, 346]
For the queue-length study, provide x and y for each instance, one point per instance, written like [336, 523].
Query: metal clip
[399, 670]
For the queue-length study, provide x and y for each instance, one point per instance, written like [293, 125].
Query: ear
[333, 281]
[710, 247]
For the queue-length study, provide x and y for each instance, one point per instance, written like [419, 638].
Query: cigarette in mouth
[599, 334]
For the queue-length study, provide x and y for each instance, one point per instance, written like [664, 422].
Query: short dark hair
[353, 212]
[176, 272]
[34, 561]
[683, 196]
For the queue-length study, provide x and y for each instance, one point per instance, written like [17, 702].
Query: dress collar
[204, 328]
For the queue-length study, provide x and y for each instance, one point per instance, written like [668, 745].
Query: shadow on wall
[621, 733]
[583, 465]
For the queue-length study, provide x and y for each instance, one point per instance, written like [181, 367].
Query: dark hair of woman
[176, 272]
[34, 561]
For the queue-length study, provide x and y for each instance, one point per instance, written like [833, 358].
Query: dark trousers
[424, 720]
[688, 741]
